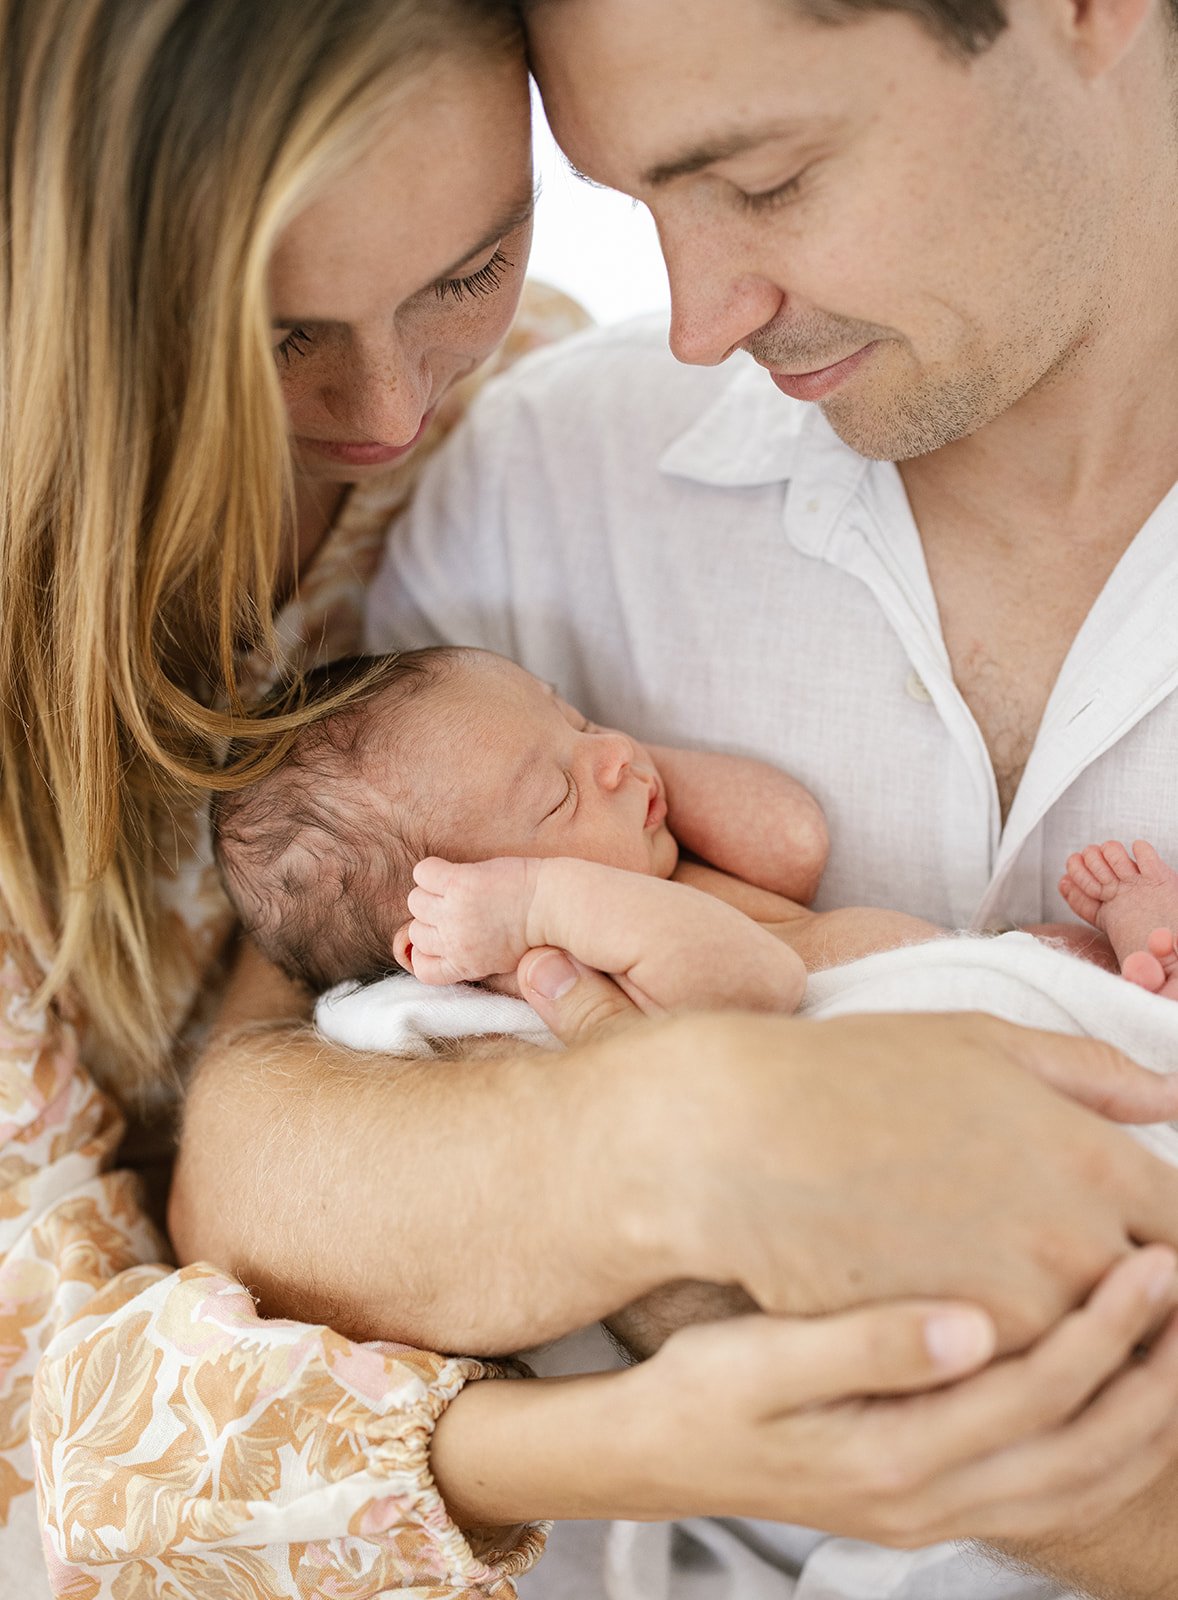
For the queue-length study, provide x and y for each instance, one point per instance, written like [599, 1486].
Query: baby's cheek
[666, 853]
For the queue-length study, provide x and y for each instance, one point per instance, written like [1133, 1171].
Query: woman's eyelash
[485, 281]
[297, 342]
[772, 197]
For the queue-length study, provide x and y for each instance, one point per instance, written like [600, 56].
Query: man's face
[911, 239]
[500, 765]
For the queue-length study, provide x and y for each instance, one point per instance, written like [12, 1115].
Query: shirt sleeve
[181, 1445]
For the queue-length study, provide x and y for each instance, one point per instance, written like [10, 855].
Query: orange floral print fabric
[179, 1444]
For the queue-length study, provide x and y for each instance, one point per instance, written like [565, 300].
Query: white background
[595, 244]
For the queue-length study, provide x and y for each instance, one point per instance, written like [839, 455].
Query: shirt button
[915, 688]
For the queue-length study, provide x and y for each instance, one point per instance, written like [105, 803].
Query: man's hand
[818, 1420]
[918, 1155]
[831, 1164]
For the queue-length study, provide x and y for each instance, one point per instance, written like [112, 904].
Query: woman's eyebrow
[520, 213]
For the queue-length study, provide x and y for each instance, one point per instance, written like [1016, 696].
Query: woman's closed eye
[297, 342]
[483, 282]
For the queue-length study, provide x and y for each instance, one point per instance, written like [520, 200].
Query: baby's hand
[470, 922]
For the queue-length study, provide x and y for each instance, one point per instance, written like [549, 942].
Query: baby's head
[448, 752]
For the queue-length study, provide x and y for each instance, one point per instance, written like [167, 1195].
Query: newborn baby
[457, 813]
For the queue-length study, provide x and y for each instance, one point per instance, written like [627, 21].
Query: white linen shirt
[697, 559]
[693, 557]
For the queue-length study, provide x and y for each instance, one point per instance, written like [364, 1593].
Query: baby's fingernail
[551, 975]
[957, 1340]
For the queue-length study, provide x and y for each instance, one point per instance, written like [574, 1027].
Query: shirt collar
[753, 436]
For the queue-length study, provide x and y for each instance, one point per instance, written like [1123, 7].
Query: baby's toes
[1099, 872]
[1145, 970]
[1161, 944]
[1150, 863]
[1120, 862]
[1082, 876]
[1084, 905]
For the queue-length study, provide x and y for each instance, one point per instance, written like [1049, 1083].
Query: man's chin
[896, 433]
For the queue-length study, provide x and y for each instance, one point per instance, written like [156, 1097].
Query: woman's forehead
[447, 174]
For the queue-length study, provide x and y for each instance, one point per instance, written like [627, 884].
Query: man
[949, 235]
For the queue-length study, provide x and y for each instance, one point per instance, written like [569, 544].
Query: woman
[249, 252]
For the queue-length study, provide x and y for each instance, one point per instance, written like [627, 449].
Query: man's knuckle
[885, 1473]
[890, 1346]
[900, 1525]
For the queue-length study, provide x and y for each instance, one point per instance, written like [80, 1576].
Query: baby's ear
[403, 948]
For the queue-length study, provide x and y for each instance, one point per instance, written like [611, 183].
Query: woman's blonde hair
[152, 151]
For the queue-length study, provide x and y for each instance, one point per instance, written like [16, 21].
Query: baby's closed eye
[568, 799]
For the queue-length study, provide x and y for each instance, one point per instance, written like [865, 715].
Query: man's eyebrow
[722, 148]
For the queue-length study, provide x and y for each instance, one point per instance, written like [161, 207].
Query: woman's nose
[379, 397]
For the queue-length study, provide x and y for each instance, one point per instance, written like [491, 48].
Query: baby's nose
[613, 756]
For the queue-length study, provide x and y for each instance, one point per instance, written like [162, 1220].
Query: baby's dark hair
[321, 884]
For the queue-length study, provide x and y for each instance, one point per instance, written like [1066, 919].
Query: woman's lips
[822, 381]
[364, 454]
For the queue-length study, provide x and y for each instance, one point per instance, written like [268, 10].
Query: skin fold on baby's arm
[669, 945]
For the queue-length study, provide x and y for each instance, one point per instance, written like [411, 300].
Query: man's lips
[822, 381]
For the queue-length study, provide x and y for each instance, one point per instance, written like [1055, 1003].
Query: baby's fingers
[433, 874]
[425, 906]
[423, 955]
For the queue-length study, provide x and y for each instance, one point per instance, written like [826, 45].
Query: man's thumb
[577, 1002]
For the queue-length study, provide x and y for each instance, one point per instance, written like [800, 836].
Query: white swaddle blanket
[1013, 976]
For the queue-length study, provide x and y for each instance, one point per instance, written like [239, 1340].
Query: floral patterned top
[181, 1445]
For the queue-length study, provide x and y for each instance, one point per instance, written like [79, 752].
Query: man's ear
[1104, 31]
[403, 947]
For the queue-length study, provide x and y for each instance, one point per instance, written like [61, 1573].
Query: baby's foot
[1156, 967]
[470, 921]
[1134, 902]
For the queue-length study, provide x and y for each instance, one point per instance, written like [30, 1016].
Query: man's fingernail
[1161, 1283]
[957, 1339]
[551, 975]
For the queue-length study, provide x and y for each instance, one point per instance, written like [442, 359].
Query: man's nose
[715, 304]
[379, 395]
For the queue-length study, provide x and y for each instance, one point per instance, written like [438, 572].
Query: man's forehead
[650, 90]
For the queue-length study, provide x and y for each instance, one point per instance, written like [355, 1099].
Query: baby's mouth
[656, 810]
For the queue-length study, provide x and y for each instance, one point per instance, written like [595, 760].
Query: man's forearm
[412, 1200]
[1132, 1555]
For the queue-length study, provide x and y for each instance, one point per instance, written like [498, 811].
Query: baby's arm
[746, 818]
[668, 945]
